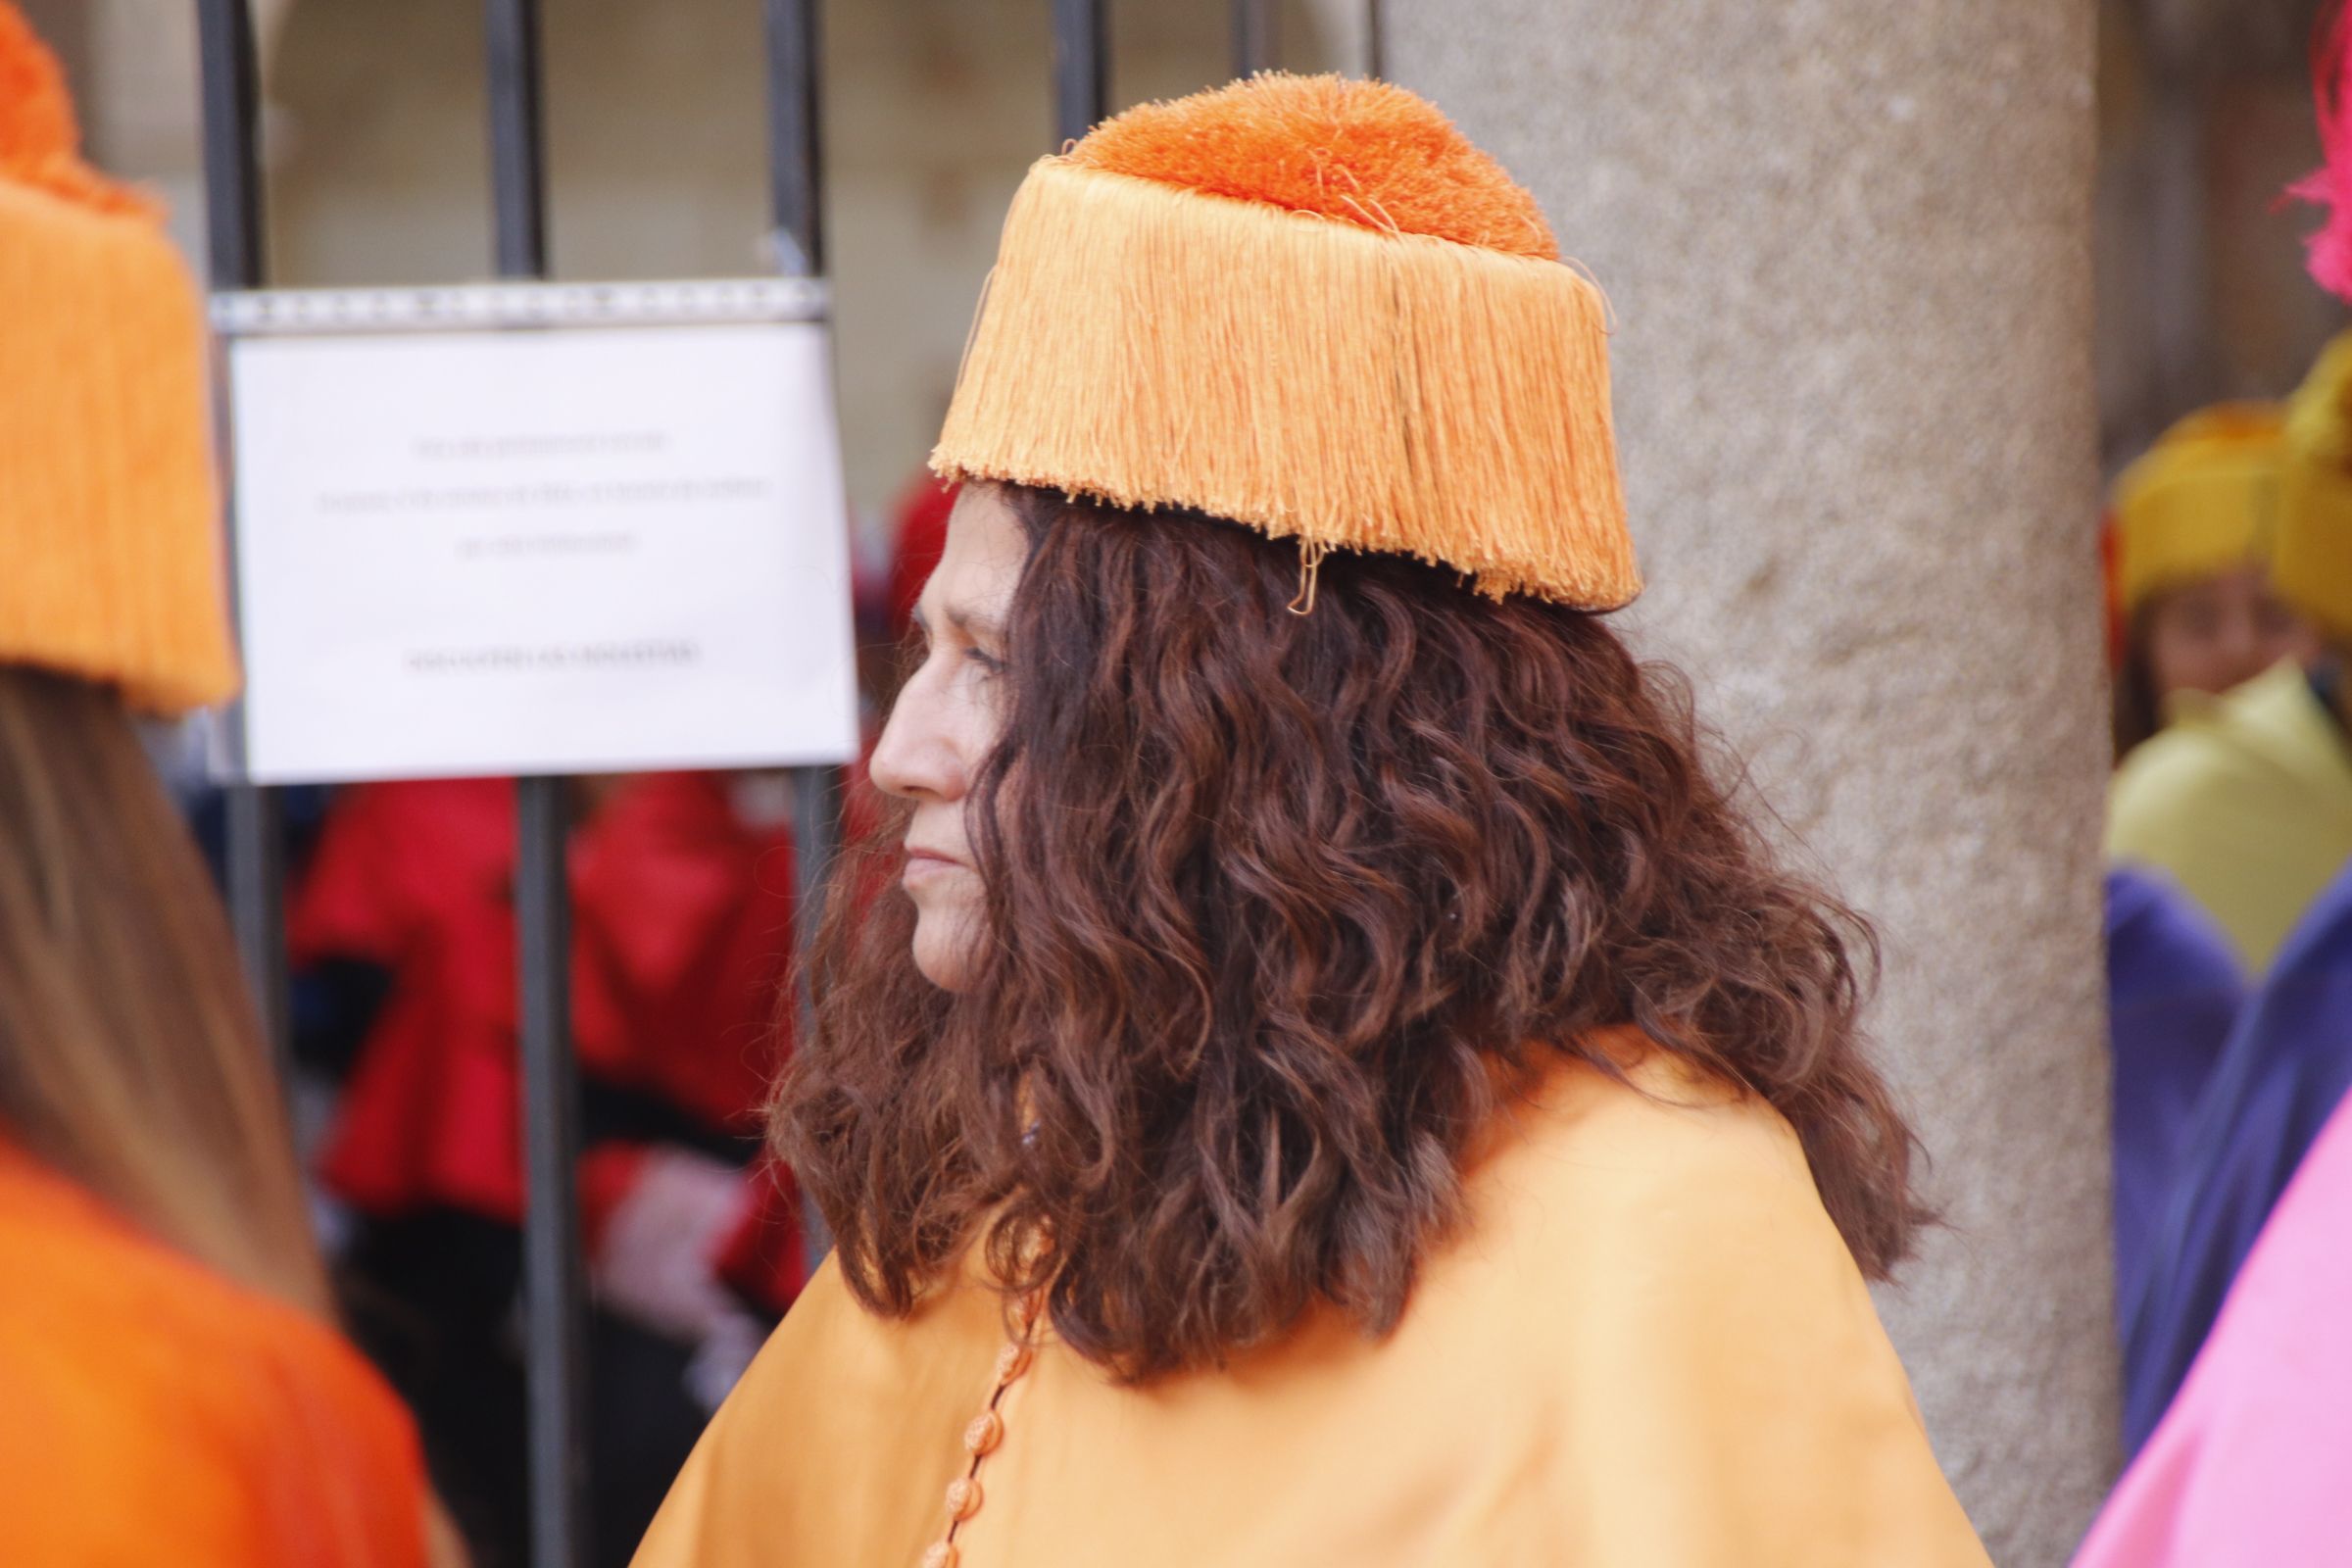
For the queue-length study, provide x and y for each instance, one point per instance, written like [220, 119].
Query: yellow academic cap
[2203, 500]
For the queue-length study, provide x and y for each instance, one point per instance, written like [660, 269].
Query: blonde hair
[130, 1060]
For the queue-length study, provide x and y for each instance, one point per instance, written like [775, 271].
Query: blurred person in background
[174, 1388]
[401, 928]
[682, 921]
[2189, 536]
[2248, 1466]
[2281, 1075]
[2246, 802]
[2250, 804]
[2246, 1285]
[2175, 991]
[2192, 614]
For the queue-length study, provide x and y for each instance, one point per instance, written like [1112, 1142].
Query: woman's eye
[988, 665]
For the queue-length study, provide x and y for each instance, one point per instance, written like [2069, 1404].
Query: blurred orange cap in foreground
[110, 560]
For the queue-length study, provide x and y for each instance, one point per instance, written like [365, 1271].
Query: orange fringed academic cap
[107, 516]
[1308, 305]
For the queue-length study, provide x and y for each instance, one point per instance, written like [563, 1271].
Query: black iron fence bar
[518, 153]
[1255, 36]
[553, 1277]
[254, 846]
[232, 176]
[795, 136]
[1081, 67]
[230, 94]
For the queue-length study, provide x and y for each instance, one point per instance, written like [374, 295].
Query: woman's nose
[2240, 642]
[915, 758]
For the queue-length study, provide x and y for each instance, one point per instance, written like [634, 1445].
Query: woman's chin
[942, 950]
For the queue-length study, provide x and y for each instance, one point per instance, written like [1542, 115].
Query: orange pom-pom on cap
[39, 142]
[1363, 152]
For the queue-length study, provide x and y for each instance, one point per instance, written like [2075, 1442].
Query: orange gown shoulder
[152, 1412]
[1649, 1348]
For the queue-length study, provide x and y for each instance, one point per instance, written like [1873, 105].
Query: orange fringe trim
[1148, 345]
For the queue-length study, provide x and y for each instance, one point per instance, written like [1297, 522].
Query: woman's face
[947, 718]
[2209, 635]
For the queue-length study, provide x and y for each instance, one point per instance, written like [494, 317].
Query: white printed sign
[582, 549]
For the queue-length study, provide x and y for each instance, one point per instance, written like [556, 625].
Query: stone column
[1849, 244]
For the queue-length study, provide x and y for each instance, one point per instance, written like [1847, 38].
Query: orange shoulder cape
[1649, 1348]
[158, 1415]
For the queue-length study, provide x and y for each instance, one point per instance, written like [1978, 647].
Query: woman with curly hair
[1335, 1076]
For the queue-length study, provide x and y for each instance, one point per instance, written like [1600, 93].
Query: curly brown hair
[1274, 904]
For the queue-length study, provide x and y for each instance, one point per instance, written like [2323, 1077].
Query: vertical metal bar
[229, 91]
[554, 1276]
[233, 172]
[254, 819]
[518, 155]
[553, 1279]
[795, 136]
[1081, 67]
[1255, 36]
[795, 190]
[1375, 47]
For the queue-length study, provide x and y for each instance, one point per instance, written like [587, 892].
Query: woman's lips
[924, 865]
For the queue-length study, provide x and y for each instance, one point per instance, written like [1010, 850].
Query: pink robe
[2249, 1464]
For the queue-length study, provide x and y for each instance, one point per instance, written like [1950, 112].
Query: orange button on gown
[1648, 1348]
[153, 1414]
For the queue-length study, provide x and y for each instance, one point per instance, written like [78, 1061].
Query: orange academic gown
[1648, 1348]
[153, 1413]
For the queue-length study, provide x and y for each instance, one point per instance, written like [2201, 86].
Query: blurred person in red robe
[682, 933]
[682, 888]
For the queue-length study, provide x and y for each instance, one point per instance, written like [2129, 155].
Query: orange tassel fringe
[1151, 345]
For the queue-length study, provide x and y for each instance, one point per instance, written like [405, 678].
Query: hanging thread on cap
[1310, 572]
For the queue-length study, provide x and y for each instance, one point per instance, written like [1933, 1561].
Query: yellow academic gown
[1648, 1348]
[2247, 801]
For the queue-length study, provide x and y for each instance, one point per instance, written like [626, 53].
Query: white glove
[656, 1265]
